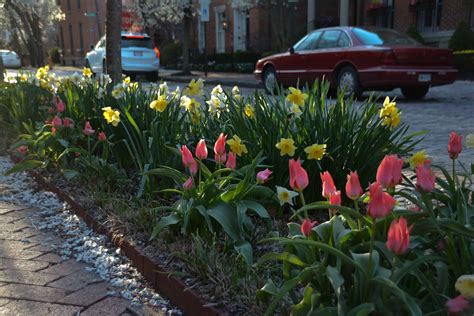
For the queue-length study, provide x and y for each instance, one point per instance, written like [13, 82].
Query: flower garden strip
[370, 225]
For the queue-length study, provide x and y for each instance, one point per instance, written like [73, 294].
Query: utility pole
[113, 51]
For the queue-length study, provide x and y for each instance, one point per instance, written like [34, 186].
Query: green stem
[371, 250]
[356, 206]
[303, 203]
[454, 173]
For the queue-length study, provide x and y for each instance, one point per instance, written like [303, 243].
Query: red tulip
[22, 150]
[231, 161]
[53, 130]
[219, 149]
[353, 188]
[60, 107]
[263, 176]
[102, 136]
[389, 172]
[188, 184]
[193, 168]
[201, 150]
[381, 203]
[328, 184]
[425, 178]
[398, 236]
[454, 145]
[51, 110]
[56, 121]
[457, 305]
[186, 156]
[88, 131]
[335, 199]
[298, 176]
[68, 123]
[307, 227]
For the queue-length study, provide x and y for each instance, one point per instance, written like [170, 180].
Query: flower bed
[219, 210]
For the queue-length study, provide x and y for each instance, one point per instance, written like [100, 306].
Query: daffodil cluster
[296, 98]
[287, 147]
[390, 114]
[218, 101]
[112, 116]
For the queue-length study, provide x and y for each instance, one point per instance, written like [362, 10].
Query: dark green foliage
[463, 38]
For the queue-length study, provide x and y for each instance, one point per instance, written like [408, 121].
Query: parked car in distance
[355, 59]
[10, 59]
[139, 56]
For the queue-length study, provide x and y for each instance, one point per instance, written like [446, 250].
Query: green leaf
[257, 208]
[244, 248]
[23, 166]
[63, 142]
[408, 266]
[164, 222]
[226, 216]
[337, 281]
[70, 174]
[168, 172]
[284, 256]
[362, 310]
[363, 260]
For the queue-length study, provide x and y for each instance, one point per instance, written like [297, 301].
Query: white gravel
[80, 242]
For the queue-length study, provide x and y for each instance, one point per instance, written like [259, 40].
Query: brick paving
[34, 280]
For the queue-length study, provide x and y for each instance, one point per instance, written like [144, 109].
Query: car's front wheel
[270, 81]
[348, 81]
[415, 93]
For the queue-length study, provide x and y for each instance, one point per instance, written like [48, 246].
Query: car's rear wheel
[270, 81]
[415, 93]
[348, 81]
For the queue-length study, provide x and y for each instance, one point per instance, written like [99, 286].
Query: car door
[292, 69]
[330, 50]
[97, 56]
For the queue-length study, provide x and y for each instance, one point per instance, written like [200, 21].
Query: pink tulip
[381, 203]
[307, 227]
[53, 130]
[186, 156]
[231, 161]
[102, 137]
[60, 107]
[263, 176]
[454, 145]
[88, 131]
[51, 110]
[398, 237]
[298, 176]
[425, 178]
[193, 168]
[389, 172]
[219, 149]
[353, 188]
[328, 184]
[335, 199]
[68, 123]
[22, 150]
[201, 150]
[456, 305]
[188, 184]
[56, 121]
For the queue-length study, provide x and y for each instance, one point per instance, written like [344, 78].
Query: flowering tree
[29, 21]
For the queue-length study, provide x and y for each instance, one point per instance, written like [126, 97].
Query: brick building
[83, 27]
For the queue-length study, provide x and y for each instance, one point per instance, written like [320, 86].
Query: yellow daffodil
[159, 104]
[296, 96]
[390, 114]
[470, 141]
[465, 285]
[194, 88]
[190, 104]
[112, 116]
[249, 111]
[126, 80]
[316, 151]
[286, 146]
[418, 159]
[285, 195]
[87, 72]
[236, 146]
[295, 109]
[23, 78]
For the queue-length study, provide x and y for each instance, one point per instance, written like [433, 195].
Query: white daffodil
[285, 195]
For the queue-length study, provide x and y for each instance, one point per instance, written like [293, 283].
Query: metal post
[205, 48]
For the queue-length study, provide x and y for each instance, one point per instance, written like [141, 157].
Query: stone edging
[171, 288]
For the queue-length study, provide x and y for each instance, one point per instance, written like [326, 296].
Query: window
[69, 5]
[144, 42]
[428, 18]
[344, 40]
[78, 4]
[308, 42]
[379, 37]
[329, 39]
[81, 39]
[71, 39]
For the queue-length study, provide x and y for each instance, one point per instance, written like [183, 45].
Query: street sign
[90, 14]
[204, 12]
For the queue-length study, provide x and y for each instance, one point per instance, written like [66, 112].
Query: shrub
[463, 38]
[414, 33]
[171, 54]
[54, 55]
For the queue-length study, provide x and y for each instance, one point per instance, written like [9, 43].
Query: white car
[139, 56]
[10, 59]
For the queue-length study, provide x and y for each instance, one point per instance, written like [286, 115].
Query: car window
[383, 37]
[344, 40]
[308, 42]
[136, 41]
[329, 39]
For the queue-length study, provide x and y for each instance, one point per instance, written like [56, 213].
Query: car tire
[348, 81]
[152, 76]
[415, 93]
[269, 80]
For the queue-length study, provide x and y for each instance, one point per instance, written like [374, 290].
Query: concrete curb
[214, 81]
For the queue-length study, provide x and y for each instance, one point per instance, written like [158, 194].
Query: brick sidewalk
[34, 280]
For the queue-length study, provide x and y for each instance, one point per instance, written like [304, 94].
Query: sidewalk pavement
[229, 79]
[34, 280]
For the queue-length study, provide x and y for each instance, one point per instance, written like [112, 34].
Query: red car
[358, 59]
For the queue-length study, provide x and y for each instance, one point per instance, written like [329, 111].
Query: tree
[113, 25]
[28, 21]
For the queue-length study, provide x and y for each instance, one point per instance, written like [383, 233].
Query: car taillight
[157, 52]
[388, 58]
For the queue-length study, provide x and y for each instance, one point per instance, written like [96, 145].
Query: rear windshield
[383, 37]
[136, 42]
